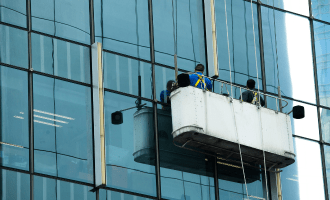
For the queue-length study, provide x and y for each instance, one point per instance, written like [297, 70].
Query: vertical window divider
[311, 19]
[152, 58]
[30, 100]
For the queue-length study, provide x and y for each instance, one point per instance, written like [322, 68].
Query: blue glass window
[320, 9]
[13, 46]
[62, 18]
[295, 63]
[296, 6]
[14, 135]
[62, 129]
[130, 153]
[13, 12]
[51, 189]
[108, 195]
[182, 20]
[60, 58]
[325, 124]
[123, 26]
[14, 185]
[123, 74]
[241, 41]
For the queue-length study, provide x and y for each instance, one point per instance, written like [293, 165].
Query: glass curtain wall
[46, 134]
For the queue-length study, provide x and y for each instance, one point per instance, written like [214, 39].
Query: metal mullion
[129, 192]
[325, 182]
[62, 78]
[152, 58]
[13, 26]
[14, 67]
[305, 138]
[63, 179]
[128, 95]
[261, 46]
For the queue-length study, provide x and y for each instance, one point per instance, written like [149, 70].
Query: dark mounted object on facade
[117, 117]
[298, 112]
[183, 80]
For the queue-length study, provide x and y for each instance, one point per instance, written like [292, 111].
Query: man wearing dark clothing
[252, 97]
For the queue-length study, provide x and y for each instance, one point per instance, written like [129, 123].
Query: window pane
[67, 19]
[188, 28]
[13, 12]
[60, 58]
[62, 129]
[123, 26]
[320, 10]
[128, 165]
[295, 65]
[327, 163]
[14, 135]
[14, 185]
[308, 126]
[123, 74]
[108, 195]
[241, 41]
[322, 43]
[297, 6]
[51, 189]
[13, 46]
[325, 124]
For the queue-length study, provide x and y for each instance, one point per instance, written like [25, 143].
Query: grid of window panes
[46, 123]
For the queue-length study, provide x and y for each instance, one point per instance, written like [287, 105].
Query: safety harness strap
[200, 79]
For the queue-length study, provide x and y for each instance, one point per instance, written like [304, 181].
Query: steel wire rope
[192, 33]
[231, 86]
[278, 71]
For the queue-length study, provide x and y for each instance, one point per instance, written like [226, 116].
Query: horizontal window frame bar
[128, 95]
[60, 38]
[14, 26]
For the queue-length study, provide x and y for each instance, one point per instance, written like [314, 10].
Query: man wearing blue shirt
[197, 79]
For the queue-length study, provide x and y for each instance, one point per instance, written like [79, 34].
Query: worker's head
[199, 68]
[250, 84]
[169, 85]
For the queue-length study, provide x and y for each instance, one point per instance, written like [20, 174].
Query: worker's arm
[262, 101]
[208, 84]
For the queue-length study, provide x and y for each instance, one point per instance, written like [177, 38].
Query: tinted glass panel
[123, 74]
[320, 9]
[67, 19]
[51, 189]
[14, 185]
[327, 162]
[62, 129]
[14, 135]
[130, 153]
[297, 6]
[241, 41]
[295, 66]
[13, 46]
[123, 26]
[308, 126]
[322, 49]
[108, 195]
[325, 124]
[13, 12]
[184, 19]
[60, 58]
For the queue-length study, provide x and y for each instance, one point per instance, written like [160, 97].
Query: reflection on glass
[130, 165]
[325, 124]
[327, 162]
[241, 41]
[13, 12]
[322, 43]
[14, 185]
[51, 189]
[123, 26]
[184, 174]
[295, 66]
[164, 76]
[14, 120]
[182, 20]
[309, 170]
[308, 126]
[62, 129]
[67, 19]
[109, 195]
[297, 6]
[320, 10]
[13, 46]
[127, 75]
[60, 58]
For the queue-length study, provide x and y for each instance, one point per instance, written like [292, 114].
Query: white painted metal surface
[206, 121]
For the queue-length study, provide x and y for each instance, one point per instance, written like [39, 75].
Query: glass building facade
[46, 104]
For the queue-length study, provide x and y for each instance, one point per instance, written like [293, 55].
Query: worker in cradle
[197, 79]
[165, 94]
[252, 97]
